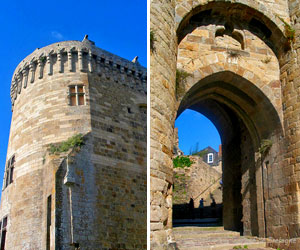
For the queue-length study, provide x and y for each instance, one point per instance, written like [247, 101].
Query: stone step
[204, 234]
[196, 229]
[214, 238]
[221, 243]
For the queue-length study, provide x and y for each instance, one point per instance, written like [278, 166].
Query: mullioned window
[76, 95]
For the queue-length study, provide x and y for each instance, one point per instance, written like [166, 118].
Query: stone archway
[238, 108]
[171, 22]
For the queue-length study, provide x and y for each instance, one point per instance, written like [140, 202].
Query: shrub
[152, 40]
[265, 146]
[288, 30]
[72, 142]
[182, 162]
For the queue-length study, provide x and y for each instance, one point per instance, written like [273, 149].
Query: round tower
[76, 160]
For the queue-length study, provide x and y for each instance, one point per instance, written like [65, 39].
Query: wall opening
[197, 189]
[237, 108]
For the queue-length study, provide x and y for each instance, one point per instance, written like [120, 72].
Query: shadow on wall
[207, 209]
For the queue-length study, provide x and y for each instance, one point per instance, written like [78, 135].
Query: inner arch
[244, 117]
[240, 95]
[241, 17]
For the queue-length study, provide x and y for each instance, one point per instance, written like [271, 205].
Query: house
[211, 156]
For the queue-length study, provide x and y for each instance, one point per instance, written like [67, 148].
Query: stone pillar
[163, 112]
[70, 60]
[49, 64]
[32, 71]
[25, 77]
[40, 64]
[19, 81]
[60, 62]
[80, 60]
[90, 57]
[15, 92]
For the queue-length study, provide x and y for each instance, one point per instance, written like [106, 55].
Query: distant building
[211, 156]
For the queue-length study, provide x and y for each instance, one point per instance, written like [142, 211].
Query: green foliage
[72, 142]
[182, 162]
[238, 247]
[265, 146]
[152, 40]
[288, 30]
[181, 76]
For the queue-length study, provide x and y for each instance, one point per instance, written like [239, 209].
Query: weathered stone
[244, 77]
[94, 195]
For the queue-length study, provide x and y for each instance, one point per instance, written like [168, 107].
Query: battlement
[76, 56]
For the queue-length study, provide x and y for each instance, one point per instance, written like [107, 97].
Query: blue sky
[117, 26]
[194, 128]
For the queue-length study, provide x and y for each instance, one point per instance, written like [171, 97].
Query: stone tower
[60, 196]
[241, 62]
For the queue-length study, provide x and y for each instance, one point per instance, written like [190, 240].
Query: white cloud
[57, 35]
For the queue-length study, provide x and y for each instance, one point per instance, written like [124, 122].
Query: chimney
[220, 151]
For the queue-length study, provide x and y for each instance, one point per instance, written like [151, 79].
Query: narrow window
[76, 94]
[9, 171]
[210, 158]
[48, 222]
[3, 232]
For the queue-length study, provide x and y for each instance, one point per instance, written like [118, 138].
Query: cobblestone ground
[215, 238]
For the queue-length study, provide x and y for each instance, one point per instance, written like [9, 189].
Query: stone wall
[162, 101]
[197, 181]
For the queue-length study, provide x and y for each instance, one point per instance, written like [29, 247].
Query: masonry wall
[196, 181]
[46, 118]
[162, 100]
[119, 127]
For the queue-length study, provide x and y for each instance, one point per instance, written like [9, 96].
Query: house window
[76, 95]
[210, 158]
[9, 173]
[3, 232]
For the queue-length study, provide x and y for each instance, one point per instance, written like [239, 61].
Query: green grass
[240, 247]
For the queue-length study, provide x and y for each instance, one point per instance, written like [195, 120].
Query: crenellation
[73, 56]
